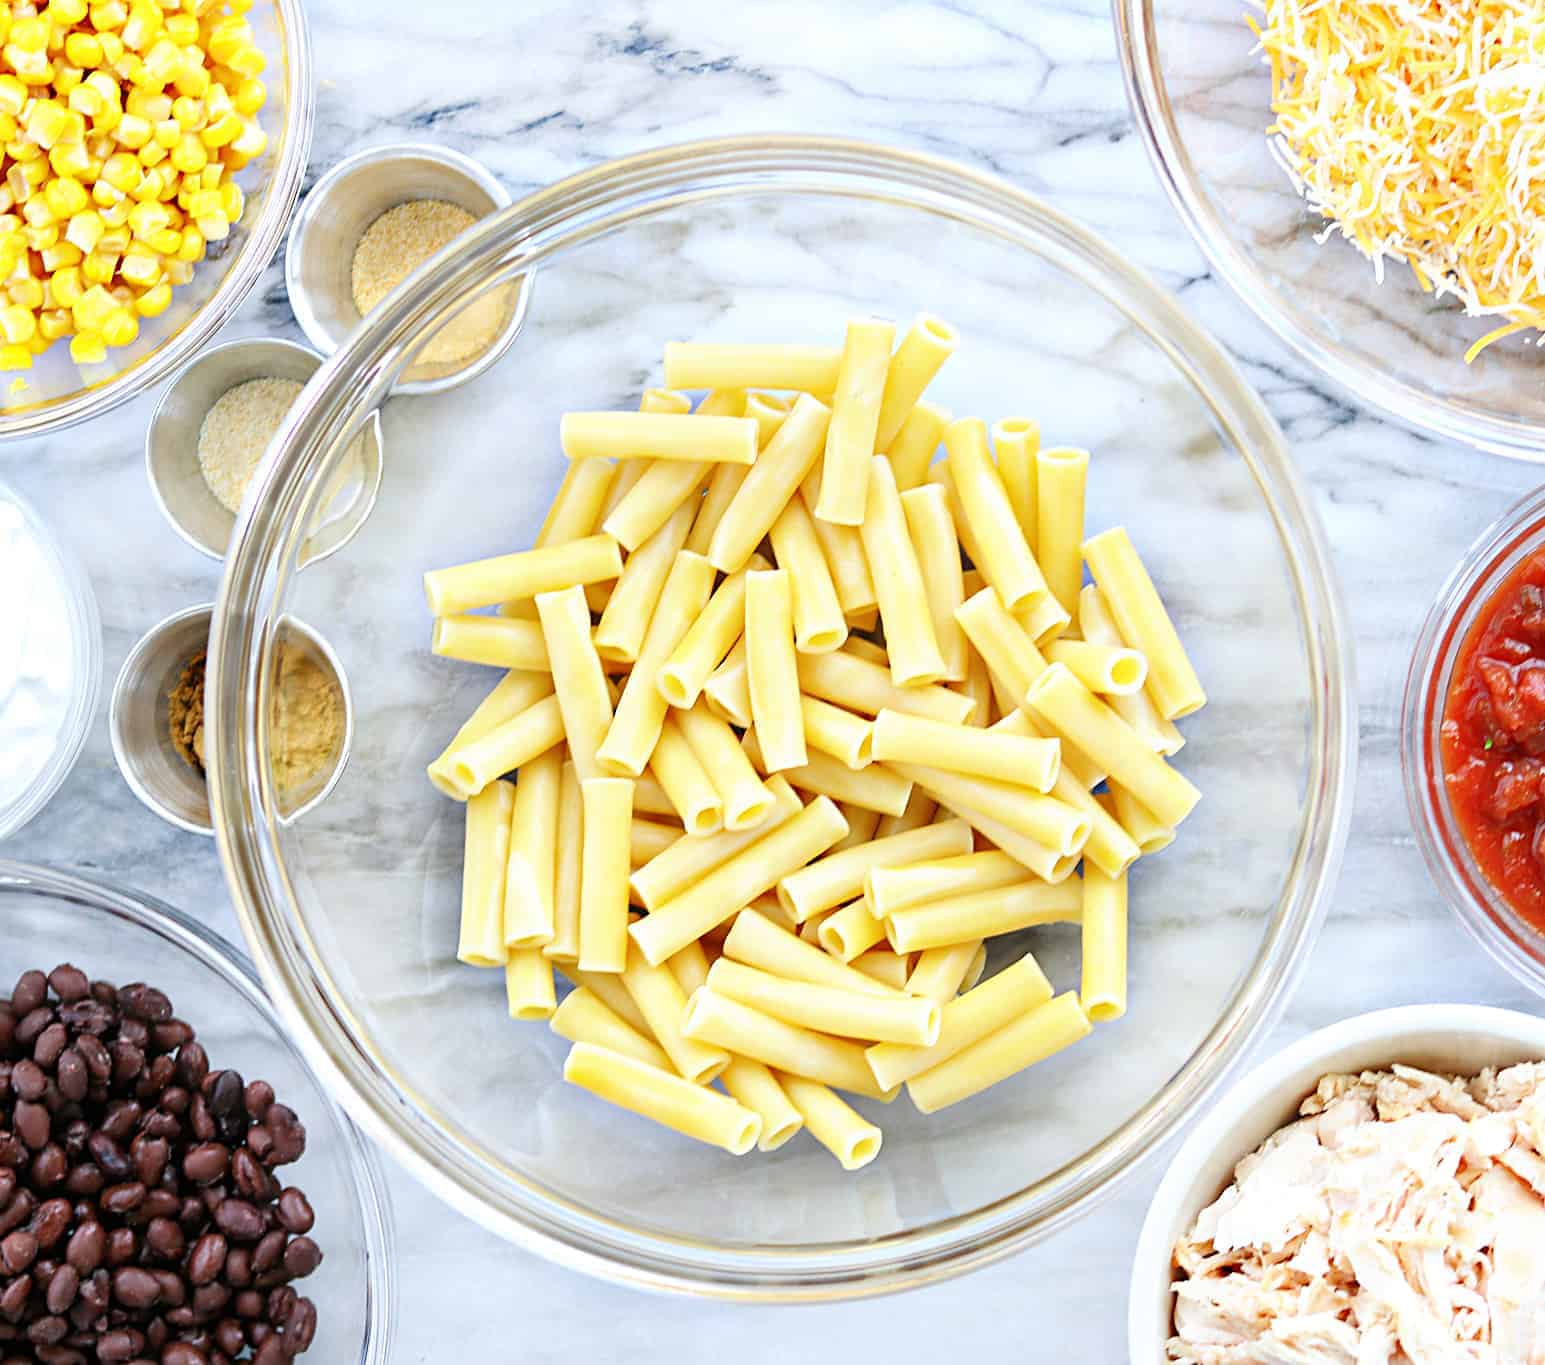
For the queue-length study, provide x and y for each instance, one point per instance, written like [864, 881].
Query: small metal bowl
[335, 214]
[142, 742]
[171, 449]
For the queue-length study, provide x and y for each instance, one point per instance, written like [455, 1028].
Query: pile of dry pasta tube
[828, 713]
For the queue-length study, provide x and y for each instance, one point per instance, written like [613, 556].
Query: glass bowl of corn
[153, 153]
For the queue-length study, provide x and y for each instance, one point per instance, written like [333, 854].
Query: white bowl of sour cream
[1452, 1040]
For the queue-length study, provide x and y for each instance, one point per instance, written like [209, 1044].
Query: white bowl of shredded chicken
[1372, 1195]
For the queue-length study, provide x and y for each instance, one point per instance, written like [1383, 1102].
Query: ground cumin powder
[305, 731]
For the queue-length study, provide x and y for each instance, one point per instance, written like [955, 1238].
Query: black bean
[230, 1337]
[128, 1061]
[74, 1080]
[288, 1132]
[171, 1035]
[238, 1267]
[88, 1016]
[69, 983]
[165, 1239]
[209, 1301]
[257, 1097]
[50, 1166]
[109, 1157]
[22, 1206]
[13, 1299]
[149, 1156]
[88, 1246]
[269, 1252]
[249, 1304]
[51, 1222]
[201, 1121]
[181, 1353]
[50, 1045]
[252, 1181]
[18, 1251]
[135, 1288]
[300, 1327]
[63, 1286]
[30, 991]
[28, 1080]
[260, 1142]
[32, 1123]
[192, 1065]
[295, 1211]
[161, 1124]
[206, 1163]
[174, 1289]
[123, 1198]
[85, 1179]
[301, 1257]
[29, 1026]
[161, 1204]
[121, 1344]
[207, 1259]
[99, 1062]
[122, 1246]
[239, 1220]
[48, 1331]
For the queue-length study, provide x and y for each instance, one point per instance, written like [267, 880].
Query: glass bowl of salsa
[1473, 740]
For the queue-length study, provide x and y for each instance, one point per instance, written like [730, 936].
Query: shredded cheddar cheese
[1417, 128]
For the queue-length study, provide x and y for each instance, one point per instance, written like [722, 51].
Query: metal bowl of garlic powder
[50, 661]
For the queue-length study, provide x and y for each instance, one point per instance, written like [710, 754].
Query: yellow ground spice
[306, 731]
[396, 244]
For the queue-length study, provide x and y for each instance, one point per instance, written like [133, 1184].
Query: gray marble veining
[1028, 90]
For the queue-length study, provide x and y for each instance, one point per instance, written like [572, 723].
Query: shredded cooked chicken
[1399, 1221]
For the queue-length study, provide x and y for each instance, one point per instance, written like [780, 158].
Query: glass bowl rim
[1465, 594]
[251, 261]
[577, 209]
[229, 965]
[1148, 95]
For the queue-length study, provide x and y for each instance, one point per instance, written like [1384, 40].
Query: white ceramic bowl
[1453, 1039]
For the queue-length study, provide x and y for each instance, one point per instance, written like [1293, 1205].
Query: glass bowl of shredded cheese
[352, 913]
[1367, 176]
[128, 277]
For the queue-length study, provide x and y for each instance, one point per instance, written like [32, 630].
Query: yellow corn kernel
[112, 47]
[116, 215]
[192, 249]
[227, 36]
[247, 61]
[55, 323]
[87, 101]
[65, 196]
[116, 239]
[182, 29]
[13, 95]
[17, 323]
[122, 171]
[250, 142]
[179, 272]
[37, 211]
[155, 301]
[130, 68]
[141, 27]
[67, 12]
[23, 150]
[33, 68]
[150, 186]
[84, 231]
[193, 80]
[35, 171]
[189, 156]
[47, 122]
[140, 266]
[167, 133]
[72, 160]
[30, 34]
[18, 357]
[108, 88]
[250, 96]
[189, 113]
[150, 105]
[10, 130]
[67, 286]
[41, 238]
[224, 131]
[66, 77]
[209, 177]
[152, 154]
[164, 61]
[98, 268]
[108, 14]
[145, 220]
[92, 309]
[120, 328]
[84, 50]
[232, 201]
[132, 132]
[28, 292]
[61, 255]
[166, 242]
[86, 348]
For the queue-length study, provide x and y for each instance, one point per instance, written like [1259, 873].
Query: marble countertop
[1032, 92]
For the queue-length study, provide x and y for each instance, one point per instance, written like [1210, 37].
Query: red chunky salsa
[1494, 740]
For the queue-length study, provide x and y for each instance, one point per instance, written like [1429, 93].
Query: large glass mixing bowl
[352, 911]
[56, 392]
[1201, 95]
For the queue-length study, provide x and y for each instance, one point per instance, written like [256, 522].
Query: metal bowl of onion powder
[50, 661]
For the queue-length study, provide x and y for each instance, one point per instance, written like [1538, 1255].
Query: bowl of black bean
[176, 1184]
